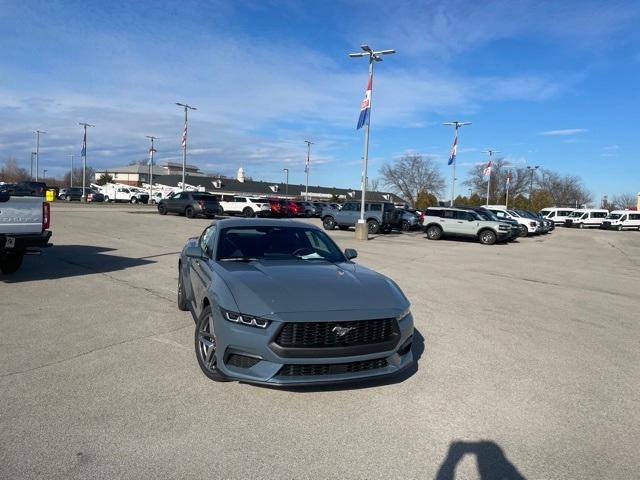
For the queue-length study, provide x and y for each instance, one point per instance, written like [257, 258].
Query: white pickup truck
[24, 229]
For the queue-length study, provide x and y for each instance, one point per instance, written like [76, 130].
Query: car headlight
[404, 314]
[244, 319]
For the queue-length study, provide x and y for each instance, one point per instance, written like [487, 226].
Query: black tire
[619, 228]
[162, 209]
[329, 223]
[189, 212]
[581, 225]
[182, 299]
[487, 237]
[373, 226]
[134, 200]
[106, 199]
[68, 198]
[434, 232]
[524, 231]
[387, 229]
[405, 226]
[247, 212]
[10, 262]
[205, 340]
[220, 211]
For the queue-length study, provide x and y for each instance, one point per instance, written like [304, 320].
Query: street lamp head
[355, 55]
[386, 52]
[366, 48]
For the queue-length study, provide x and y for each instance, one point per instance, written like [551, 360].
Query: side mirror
[350, 253]
[194, 252]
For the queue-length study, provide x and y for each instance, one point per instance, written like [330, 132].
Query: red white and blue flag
[83, 152]
[487, 169]
[184, 136]
[454, 150]
[365, 109]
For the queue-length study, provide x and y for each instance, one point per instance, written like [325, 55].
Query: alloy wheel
[207, 343]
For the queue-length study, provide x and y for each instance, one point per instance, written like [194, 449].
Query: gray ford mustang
[276, 302]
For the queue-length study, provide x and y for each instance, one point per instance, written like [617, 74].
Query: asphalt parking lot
[529, 363]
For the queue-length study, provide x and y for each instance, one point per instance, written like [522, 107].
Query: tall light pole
[33, 154]
[306, 170]
[506, 200]
[488, 169]
[83, 198]
[454, 154]
[532, 170]
[44, 173]
[71, 175]
[184, 139]
[362, 232]
[152, 151]
[37, 132]
[286, 185]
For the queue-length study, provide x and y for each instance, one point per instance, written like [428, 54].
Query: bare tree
[564, 190]
[624, 200]
[374, 183]
[411, 175]
[11, 172]
[518, 184]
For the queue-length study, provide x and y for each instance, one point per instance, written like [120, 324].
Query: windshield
[277, 243]
[513, 212]
[489, 215]
[575, 214]
[614, 216]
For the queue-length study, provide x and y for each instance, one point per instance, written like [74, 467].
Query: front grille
[332, 369]
[321, 334]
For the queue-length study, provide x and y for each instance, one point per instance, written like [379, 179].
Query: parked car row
[594, 218]
[75, 193]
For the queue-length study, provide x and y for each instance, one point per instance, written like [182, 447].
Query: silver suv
[441, 221]
[379, 216]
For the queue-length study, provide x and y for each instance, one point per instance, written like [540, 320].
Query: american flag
[184, 136]
[487, 169]
[454, 150]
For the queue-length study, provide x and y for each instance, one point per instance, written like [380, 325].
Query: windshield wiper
[239, 259]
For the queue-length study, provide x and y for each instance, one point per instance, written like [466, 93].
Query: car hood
[263, 288]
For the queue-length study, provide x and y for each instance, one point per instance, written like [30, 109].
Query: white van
[622, 220]
[528, 226]
[558, 215]
[586, 217]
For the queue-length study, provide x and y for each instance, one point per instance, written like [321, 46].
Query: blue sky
[547, 83]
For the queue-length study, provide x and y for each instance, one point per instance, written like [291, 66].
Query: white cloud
[563, 132]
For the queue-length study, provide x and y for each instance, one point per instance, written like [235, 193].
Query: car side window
[434, 213]
[240, 199]
[375, 207]
[206, 240]
[449, 214]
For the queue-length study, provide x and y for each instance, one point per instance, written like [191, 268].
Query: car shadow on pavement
[62, 261]
[491, 461]
[418, 350]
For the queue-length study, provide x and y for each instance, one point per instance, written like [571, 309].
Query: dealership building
[169, 174]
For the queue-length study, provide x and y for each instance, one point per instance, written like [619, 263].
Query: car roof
[261, 222]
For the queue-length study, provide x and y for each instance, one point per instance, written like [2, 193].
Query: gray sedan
[276, 302]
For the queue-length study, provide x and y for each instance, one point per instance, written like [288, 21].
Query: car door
[200, 272]
[466, 224]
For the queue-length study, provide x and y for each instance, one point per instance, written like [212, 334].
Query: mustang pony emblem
[342, 331]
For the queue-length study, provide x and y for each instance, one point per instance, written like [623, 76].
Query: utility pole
[44, 174]
[506, 200]
[362, 232]
[184, 139]
[84, 126]
[306, 170]
[71, 176]
[38, 132]
[488, 169]
[31, 170]
[286, 185]
[532, 170]
[152, 151]
[454, 154]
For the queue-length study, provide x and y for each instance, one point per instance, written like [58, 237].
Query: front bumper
[272, 366]
[25, 242]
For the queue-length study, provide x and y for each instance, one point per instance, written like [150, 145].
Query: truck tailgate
[20, 215]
